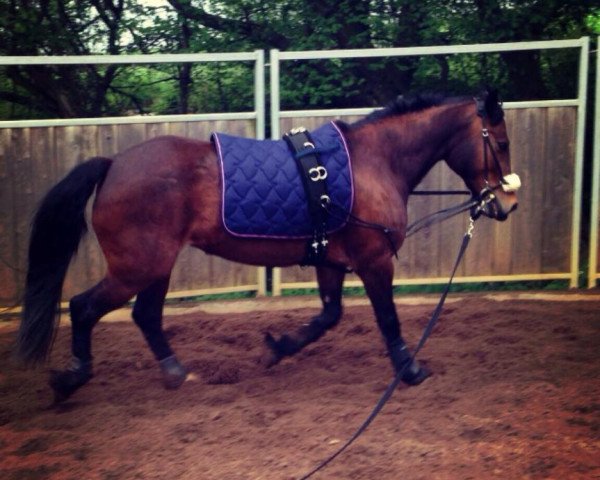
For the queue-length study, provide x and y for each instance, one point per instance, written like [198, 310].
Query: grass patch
[548, 285]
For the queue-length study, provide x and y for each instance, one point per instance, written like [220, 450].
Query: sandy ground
[515, 394]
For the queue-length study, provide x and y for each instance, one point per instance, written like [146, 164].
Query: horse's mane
[411, 102]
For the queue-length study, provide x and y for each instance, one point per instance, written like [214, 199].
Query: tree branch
[19, 99]
[135, 100]
[248, 29]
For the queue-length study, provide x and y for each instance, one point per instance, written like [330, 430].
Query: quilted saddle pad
[263, 195]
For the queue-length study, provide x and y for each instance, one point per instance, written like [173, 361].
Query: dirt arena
[515, 395]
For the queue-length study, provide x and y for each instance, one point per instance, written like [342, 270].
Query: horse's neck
[422, 139]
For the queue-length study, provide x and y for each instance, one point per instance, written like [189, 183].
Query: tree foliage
[77, 27]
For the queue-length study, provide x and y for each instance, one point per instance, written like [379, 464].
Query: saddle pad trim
[217, 143]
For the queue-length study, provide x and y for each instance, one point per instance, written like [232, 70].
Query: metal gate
[594, 245]
[541, 242]
[35, 154]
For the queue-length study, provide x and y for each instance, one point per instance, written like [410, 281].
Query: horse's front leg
[377, 277]
[330, 289]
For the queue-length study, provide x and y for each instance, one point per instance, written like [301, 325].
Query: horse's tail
[57, 229]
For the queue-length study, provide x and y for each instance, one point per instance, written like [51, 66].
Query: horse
[165, 193]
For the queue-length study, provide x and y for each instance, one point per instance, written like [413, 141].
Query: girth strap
[313, 175]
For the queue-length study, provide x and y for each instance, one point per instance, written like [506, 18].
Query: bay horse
[165, 193]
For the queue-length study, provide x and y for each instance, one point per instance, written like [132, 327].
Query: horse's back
[164, 153]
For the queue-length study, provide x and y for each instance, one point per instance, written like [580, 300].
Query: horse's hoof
[173, 373]
[415, 374]
[411, 372]
[65, 383]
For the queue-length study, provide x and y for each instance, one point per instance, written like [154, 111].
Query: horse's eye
[503, 146]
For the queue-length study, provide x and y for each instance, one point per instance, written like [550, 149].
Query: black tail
[56, 231]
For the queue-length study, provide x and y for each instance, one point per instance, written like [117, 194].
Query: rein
[398, 378]
[475, 205]
[442, 215]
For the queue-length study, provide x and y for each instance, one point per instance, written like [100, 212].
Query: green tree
[327, 24]
[529, 72]
[59, 28]
[77, 27]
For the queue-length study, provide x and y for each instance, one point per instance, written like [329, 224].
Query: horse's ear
[492, 105]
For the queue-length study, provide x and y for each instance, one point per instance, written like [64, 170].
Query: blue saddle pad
[263, 195]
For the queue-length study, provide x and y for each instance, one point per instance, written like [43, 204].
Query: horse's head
[483, 160]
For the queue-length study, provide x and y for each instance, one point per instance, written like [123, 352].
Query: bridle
[508, 183]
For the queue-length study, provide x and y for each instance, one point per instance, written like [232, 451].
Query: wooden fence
[536, 241]
[33, 159]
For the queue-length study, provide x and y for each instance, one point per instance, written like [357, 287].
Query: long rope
[440, 216]
[398, 378]
[411, 229]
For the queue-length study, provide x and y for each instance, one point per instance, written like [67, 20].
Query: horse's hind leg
[377, 278]
[330, 289]
[86, 309]
[147, 314]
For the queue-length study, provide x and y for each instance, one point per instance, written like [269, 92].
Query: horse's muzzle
[502, 211]
[499, 208]
[500, 202]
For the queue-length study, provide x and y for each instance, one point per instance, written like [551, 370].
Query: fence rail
[594, 245]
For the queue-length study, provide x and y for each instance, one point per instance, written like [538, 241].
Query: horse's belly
[263, 252]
